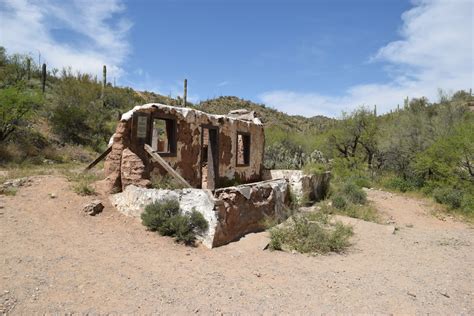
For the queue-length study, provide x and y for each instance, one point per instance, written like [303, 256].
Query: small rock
[53, 195]
[93, 208]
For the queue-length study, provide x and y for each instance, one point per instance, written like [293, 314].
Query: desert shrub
[339, 202]
[311, 234]
[77, 114]
[166, 218]
[157, 214]
[8, 191]
[164, 182]
[364, 212]
[198, 222]
[315, 168]
[449, 196]
[354, 193]
[467, 205]
[84, 188]
[401, 184]
[17, 105]
[360, 180]
[82, 182]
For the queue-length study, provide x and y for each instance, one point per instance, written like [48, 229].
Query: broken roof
[240, 115]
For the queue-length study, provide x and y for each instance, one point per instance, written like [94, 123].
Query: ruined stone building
[208, 151]
[218, 159]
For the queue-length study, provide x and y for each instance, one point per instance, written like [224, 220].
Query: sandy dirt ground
[54, 259]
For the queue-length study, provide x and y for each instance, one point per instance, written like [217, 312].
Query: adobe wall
[122, 170]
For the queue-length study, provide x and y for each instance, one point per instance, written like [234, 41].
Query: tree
[77, 114]
[356, 135]
[16, 106]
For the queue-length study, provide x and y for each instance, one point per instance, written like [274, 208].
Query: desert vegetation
[423, 147]
[313, 233]
[166, 218]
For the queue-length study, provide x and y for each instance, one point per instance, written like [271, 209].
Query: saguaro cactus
[104, 76]
[185, 95]
[104, 81]
[43, 77]
[28, 68]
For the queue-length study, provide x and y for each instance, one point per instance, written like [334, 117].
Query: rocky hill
[269, 116]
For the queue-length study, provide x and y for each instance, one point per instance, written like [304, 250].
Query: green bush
[400, 184]
[83, 181]
[84, 188]
[449, 196]
[339, 202]
[315, 168]
[166, 218]
[360, 180]
[467, 204]
[354, 193]
[157, 214]
[164, 182]
[311, 234]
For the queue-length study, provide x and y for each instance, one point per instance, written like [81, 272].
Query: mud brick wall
[135, 166]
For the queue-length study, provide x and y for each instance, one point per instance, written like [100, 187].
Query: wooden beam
[156, 157]
[98, 159]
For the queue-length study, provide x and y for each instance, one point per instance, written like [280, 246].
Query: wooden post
[43, 77]
[98, 159]
[166, 166]
[185, 95]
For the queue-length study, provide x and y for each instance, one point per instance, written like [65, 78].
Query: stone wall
[133, 200]
[311, 188]
[231, 213]
[187, 159]
[243, 209]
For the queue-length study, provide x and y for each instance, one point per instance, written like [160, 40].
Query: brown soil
[54, 259]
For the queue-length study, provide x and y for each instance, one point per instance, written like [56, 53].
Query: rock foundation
[231, 212]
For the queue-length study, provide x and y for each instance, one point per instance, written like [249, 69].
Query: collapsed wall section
[231, 212]
[244, 209]
[306, 188]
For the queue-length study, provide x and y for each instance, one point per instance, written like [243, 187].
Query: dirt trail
[54, 259]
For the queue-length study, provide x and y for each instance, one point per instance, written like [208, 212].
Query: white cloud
[28, 27]
[435, 52]
[223, 84]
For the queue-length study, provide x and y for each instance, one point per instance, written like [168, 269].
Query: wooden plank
[156, 157]
[98, 159]
[211, 176]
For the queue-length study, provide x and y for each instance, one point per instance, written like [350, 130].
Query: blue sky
[302, 57]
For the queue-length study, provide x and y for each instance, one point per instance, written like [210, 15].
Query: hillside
[270, 117]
